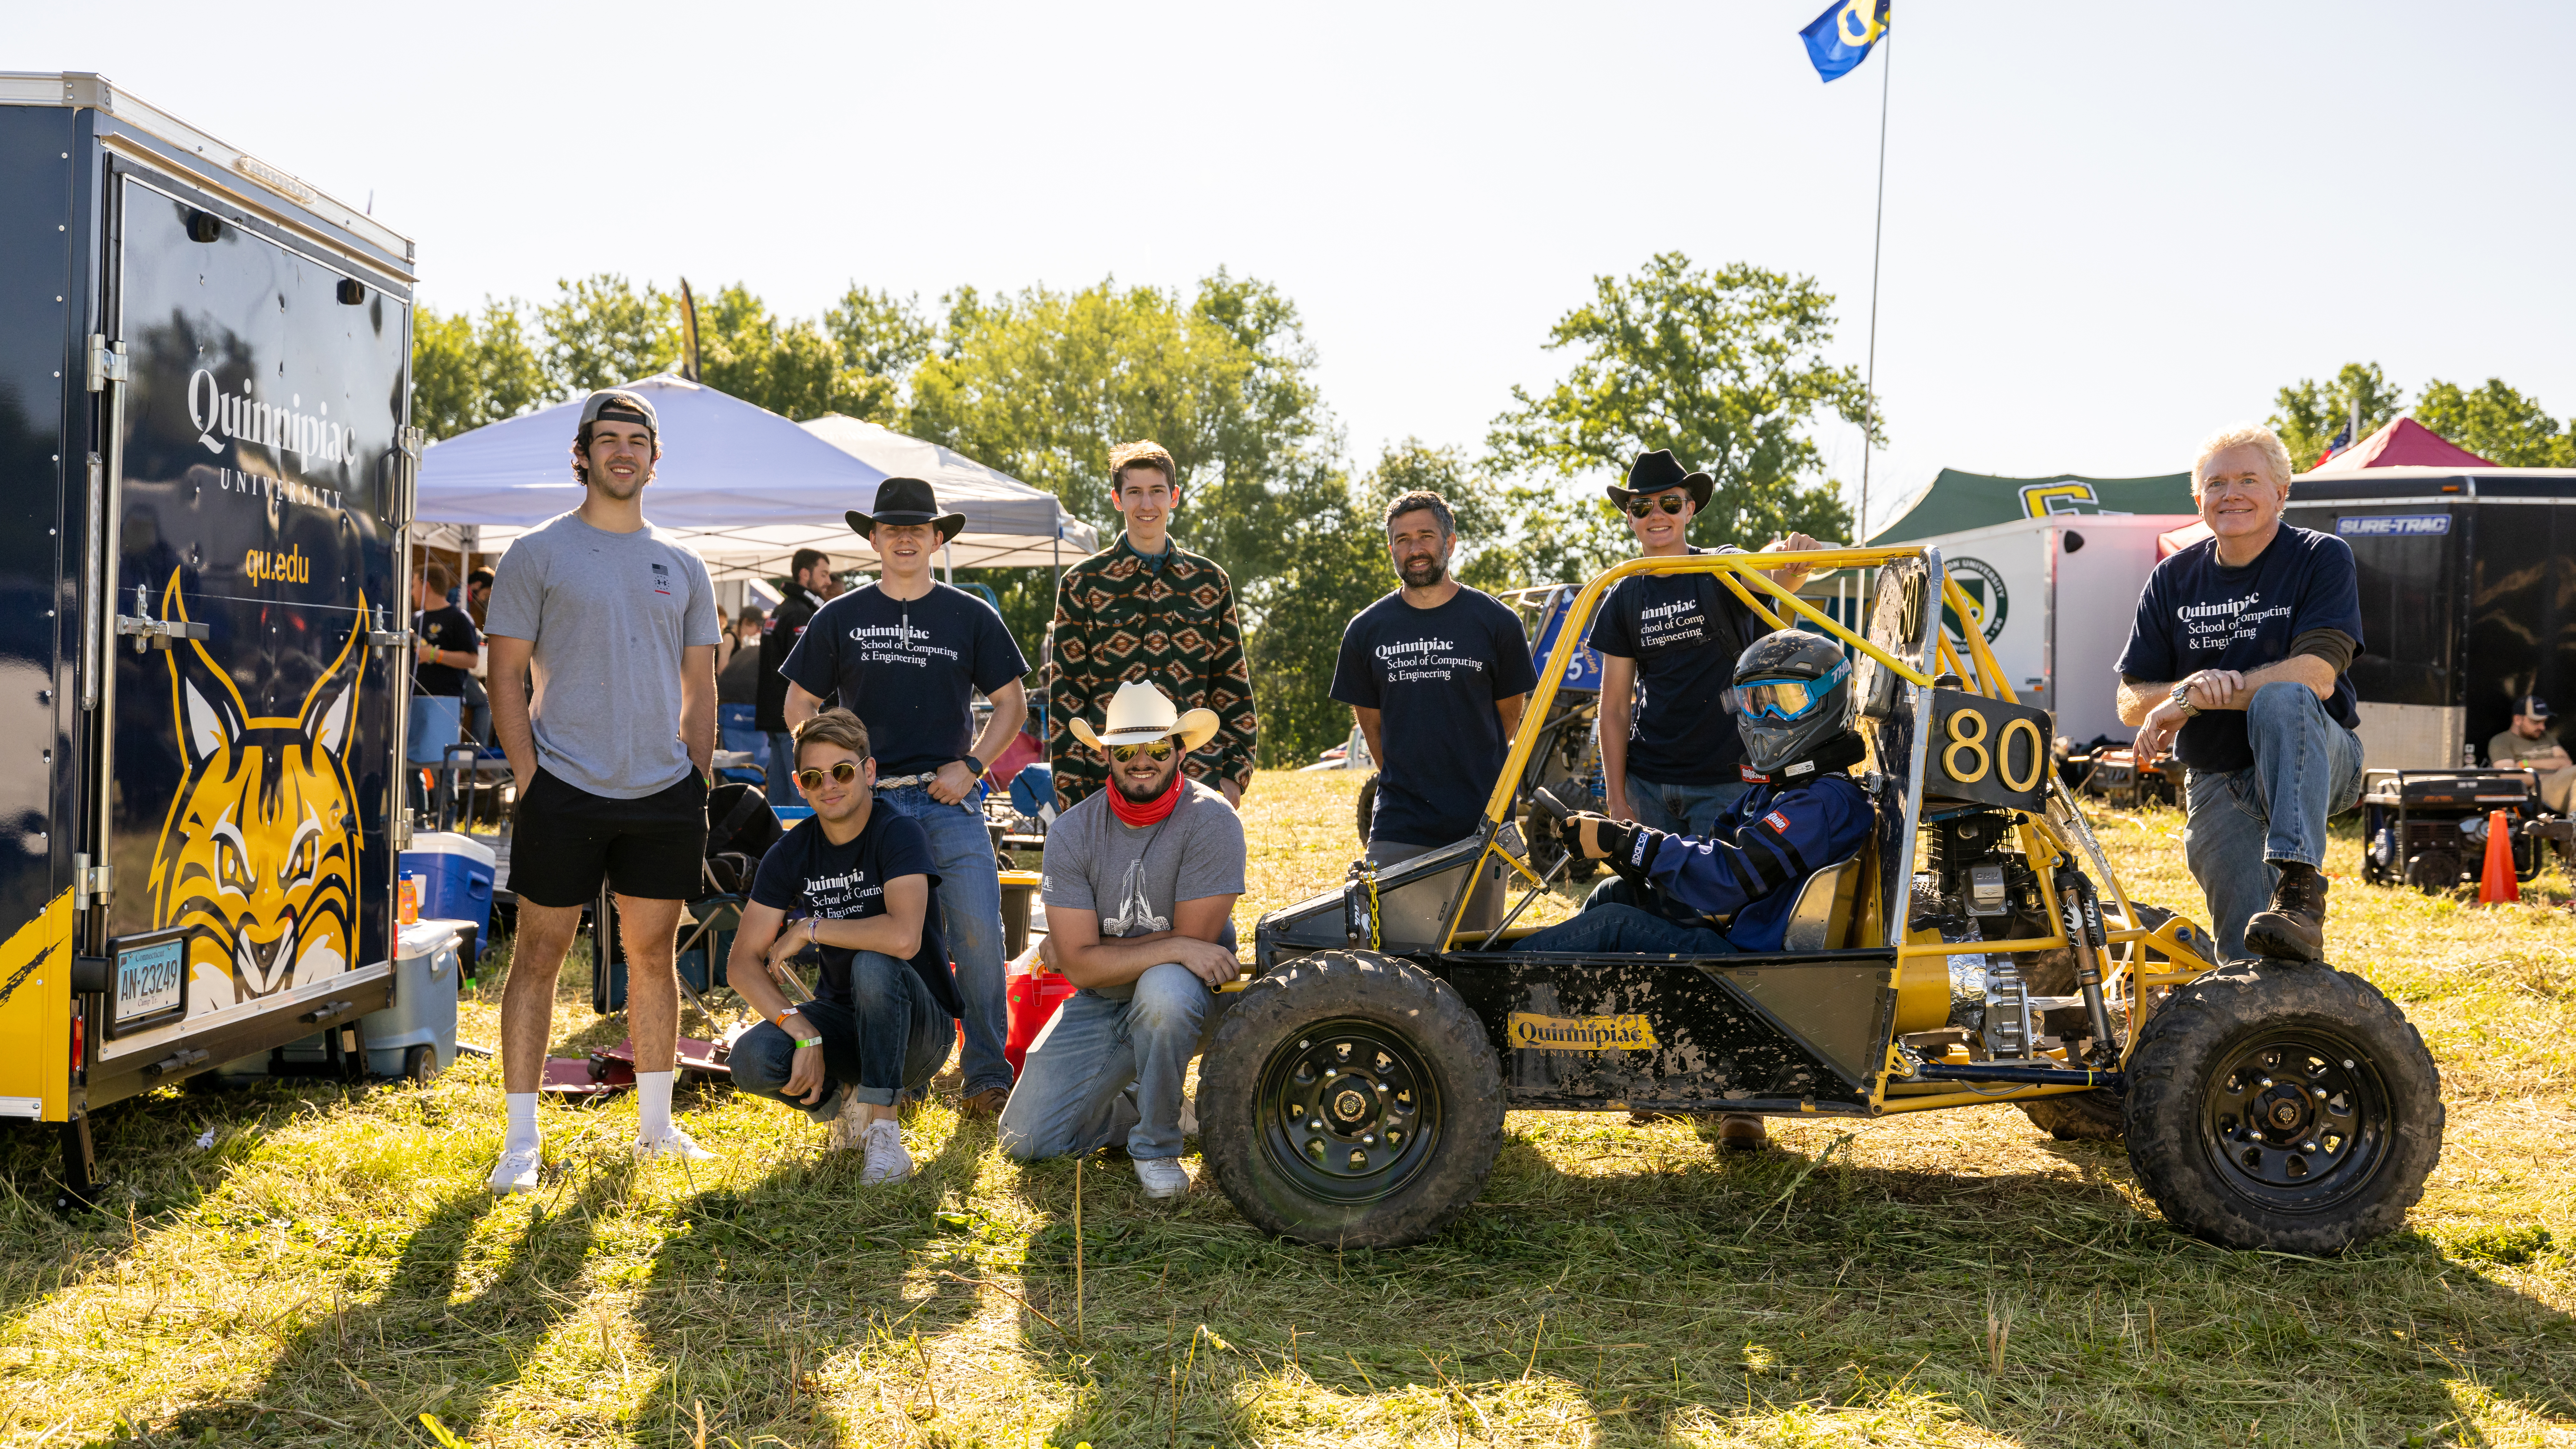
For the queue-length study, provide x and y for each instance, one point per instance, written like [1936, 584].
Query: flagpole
[1877, 234]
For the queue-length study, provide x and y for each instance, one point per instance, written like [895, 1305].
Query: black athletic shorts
[564, 841]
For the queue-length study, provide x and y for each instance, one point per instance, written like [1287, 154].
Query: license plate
[151, 980]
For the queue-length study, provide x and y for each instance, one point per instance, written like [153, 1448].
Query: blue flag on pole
[1841, 37]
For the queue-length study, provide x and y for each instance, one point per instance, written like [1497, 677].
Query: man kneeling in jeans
[1141, 880]
[858, 881]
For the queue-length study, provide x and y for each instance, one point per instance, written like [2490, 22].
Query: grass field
[330, 1268]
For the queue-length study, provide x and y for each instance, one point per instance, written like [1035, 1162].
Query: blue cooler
[455, 873]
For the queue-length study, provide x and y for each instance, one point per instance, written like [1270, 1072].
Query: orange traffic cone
[2496, 886]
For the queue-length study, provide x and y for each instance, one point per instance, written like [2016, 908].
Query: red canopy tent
[2404, 443]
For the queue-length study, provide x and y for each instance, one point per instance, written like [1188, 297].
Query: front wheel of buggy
[2284, 1107]
[1350, 1099]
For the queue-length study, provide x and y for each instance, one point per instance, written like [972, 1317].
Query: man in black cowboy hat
[1668, 645]
[907, 654]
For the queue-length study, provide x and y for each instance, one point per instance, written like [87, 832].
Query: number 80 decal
[1990, 750]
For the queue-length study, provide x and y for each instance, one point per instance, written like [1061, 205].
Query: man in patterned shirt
[1146, 609]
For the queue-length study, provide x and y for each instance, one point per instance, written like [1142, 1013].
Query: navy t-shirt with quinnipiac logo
[1685, 632]
[2197, 613]
[805, 874]
[908, 668]
[1434, 675]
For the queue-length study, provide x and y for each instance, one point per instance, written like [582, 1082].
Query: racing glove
[1627, 846]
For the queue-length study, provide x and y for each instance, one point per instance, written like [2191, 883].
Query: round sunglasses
[842, 774]
[1670, 503]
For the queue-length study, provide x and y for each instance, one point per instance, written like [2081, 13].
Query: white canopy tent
[739, 484]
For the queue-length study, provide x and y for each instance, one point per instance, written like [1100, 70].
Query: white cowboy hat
[1140, 714]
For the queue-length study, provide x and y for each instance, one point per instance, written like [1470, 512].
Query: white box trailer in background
[2056, 597]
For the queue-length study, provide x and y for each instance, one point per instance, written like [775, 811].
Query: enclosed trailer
[205, 468]
[2055, 597]
[2468, 601]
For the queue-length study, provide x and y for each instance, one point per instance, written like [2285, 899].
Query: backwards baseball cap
[616, 404]
[2534, 706]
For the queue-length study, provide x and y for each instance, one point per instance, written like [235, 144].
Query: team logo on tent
[1986, 595]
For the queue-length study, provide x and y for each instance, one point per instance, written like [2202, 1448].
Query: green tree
[465, 374]
[601, 332]
[2496, 423]
[880, 336]
[1725, 367]
[1041, 384]
[2307, 414]
[789, 367]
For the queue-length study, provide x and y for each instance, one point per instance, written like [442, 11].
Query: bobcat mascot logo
[259, 857]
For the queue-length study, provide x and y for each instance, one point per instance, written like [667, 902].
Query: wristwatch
[2182, 698]
[974, 767]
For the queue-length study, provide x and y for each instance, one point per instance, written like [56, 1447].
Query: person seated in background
[1141, 881]
[2531, 743]
[738, 691]
[1731, 891]
[882, 1018]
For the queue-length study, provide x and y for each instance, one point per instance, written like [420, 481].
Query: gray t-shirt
[1133, 875]
[608, 614]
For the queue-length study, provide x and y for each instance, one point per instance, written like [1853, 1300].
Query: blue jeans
[1682, 809]
[1615, 919]
[970, 920]
[891, 1037]
[782, 769]
[1106, 1071]
[2306, 767]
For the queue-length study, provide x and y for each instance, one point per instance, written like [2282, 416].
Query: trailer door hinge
[90, 882]
[159, 633]
[106, 362]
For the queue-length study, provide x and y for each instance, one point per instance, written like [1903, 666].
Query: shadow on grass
[1704, 1298]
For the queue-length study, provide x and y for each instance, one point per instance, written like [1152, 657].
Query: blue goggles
[1787, 700]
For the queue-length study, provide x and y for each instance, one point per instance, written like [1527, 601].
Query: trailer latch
[159, 633]
[387, 638]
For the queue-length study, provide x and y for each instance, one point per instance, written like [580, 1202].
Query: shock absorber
[2082, 910]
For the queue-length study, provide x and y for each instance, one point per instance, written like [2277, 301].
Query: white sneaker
[674, 1142]
[1163, 1176]
[886, 1160]
[848, 1132]
[515, 1172]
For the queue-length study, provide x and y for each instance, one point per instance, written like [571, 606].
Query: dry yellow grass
[331, 1268]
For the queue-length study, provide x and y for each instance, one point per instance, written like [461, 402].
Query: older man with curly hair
[2239, 656]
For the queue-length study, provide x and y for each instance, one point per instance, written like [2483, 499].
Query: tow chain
[1368, 873]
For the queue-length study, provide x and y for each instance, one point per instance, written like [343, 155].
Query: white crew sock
[523, 1122]
[652, 1105]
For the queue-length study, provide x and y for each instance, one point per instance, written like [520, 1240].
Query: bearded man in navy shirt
[2238, 658]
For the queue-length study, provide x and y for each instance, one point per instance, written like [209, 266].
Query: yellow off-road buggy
[1355, 1092]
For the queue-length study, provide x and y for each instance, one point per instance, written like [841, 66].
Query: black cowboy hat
[1654, 472]
[904, 501]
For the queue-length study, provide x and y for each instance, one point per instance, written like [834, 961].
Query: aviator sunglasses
[1159, 750]
[1670, 503]
[842, 774]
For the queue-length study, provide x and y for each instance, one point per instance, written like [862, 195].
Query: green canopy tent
[1957, 502]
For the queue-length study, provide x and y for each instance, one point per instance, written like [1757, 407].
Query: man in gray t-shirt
[617, 625]
[1141, 879]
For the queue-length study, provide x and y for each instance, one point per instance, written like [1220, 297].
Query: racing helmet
[1792, 696]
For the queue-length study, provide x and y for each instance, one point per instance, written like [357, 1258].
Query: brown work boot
[2294, 929]
[986, 1103]
[1742, 1132]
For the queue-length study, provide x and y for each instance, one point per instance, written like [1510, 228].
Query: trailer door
[250, 796]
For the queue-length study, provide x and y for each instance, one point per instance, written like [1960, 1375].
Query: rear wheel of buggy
[1350, 1099]
[2285, 1107]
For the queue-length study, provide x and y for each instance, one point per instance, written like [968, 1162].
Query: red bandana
[1152, 812]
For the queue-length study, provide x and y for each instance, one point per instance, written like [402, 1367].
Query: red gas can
[1035, 994]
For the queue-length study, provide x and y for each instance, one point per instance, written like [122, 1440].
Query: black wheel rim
[2297, 1121]
[1349, 1111]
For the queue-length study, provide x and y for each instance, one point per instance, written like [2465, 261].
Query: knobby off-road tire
[2090, 1116]
[1350, 1099]
[2283, 1106]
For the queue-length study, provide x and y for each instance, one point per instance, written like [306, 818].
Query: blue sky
[2109, 228]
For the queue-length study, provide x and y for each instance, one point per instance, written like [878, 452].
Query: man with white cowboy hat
[1141, 881]
[907, 655]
